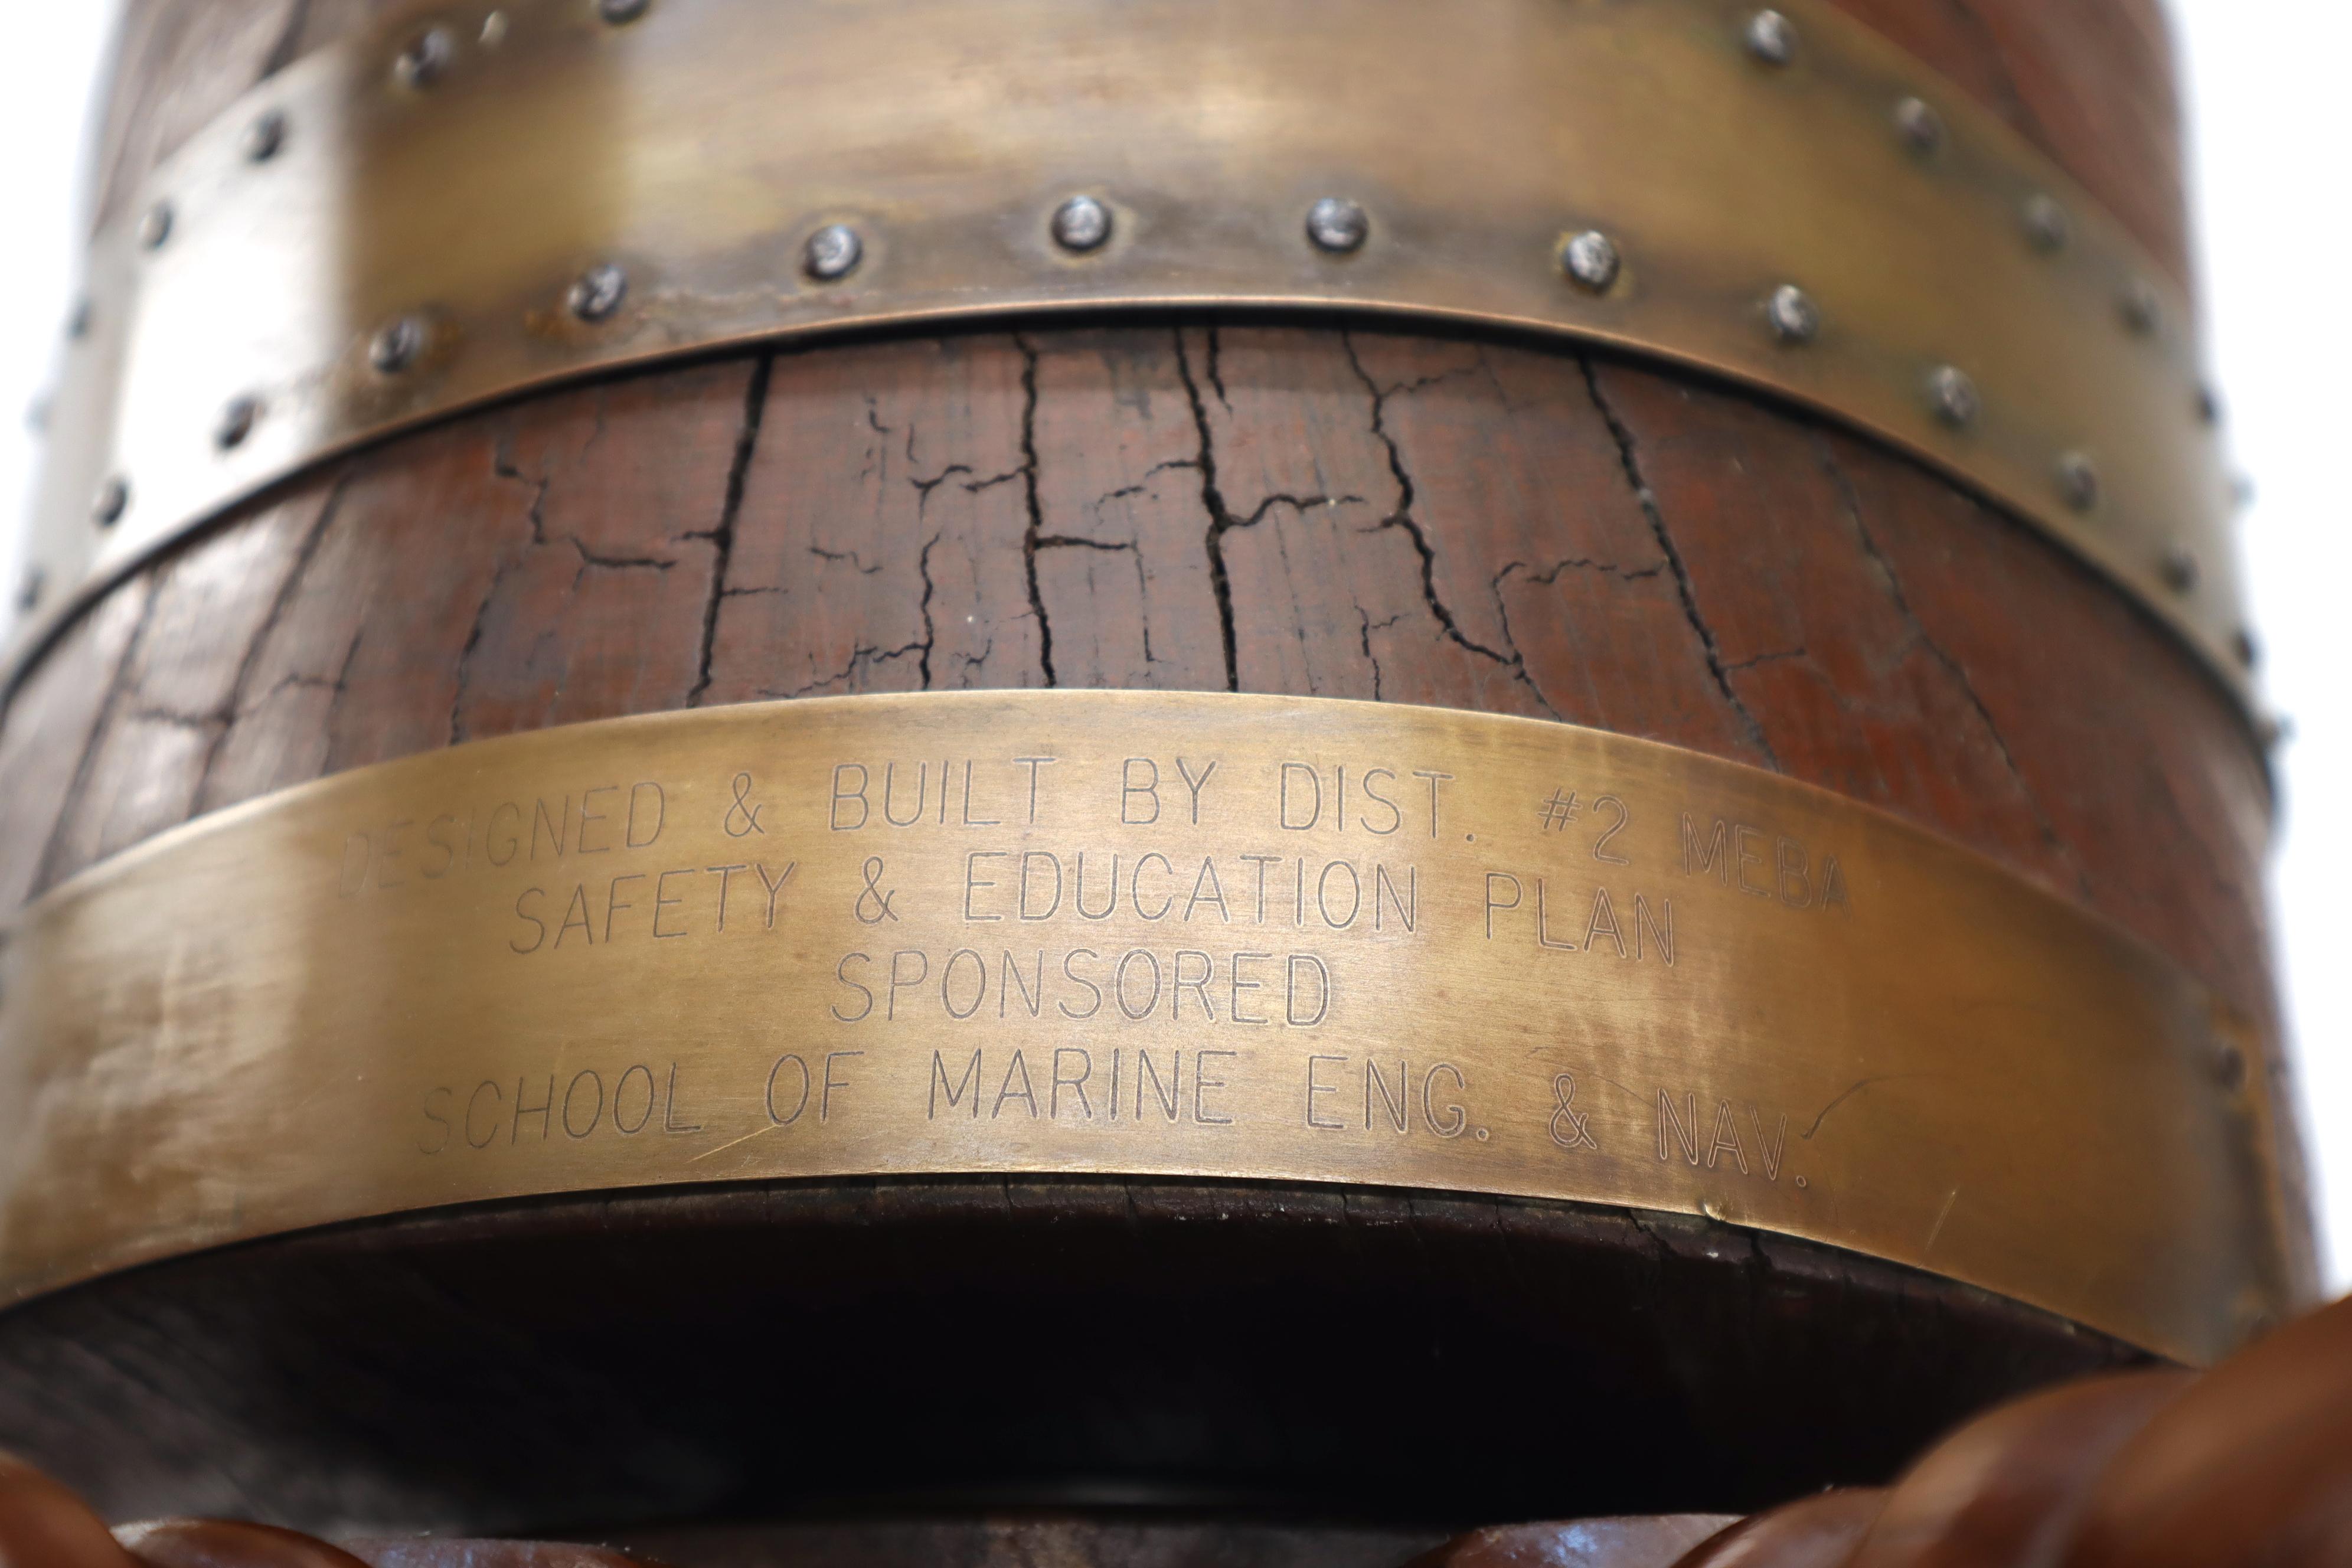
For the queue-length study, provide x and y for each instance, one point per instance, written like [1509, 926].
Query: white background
[2271, 142]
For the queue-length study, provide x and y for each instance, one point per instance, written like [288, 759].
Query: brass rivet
[426, 56]
[1771, 37]
[618, 11]
[29, 587]
[236, 421]
[832, 253]
[2141, 311]
[597, 293]
[2078, 482]
[1338, 226]
[1953, 396]
[1590, 260]
[1922, 128]
[2179, 570]
[1081, 223]
[397, 345]
[1795, 317]
[155, 227]
[265, 136]
[2047, 227]
[113, 499]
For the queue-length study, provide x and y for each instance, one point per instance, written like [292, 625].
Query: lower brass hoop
[511, 195]
[1128, 933]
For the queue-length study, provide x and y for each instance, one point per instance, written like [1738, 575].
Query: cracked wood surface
[2091, 82]
[1254, 508]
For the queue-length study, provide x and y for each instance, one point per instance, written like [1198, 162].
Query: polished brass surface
[702, 148]
[1125, 932]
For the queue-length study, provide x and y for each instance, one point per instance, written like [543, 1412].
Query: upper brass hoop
[418, 241]
[1131, 933]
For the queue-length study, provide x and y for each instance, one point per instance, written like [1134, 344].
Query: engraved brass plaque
[1125, 932]
[698, 148]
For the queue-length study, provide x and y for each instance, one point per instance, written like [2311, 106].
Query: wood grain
[1357, 513]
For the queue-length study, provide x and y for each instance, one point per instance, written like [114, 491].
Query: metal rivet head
[113, 498]
[1590, 260]
[598, 293]
[2180, 569]
[426, 56]
[1771, 37]
[1921, 127]
[29, 587]
[1081, 223]
[2078, 482]
[833, 252]
[236, 421]
[1795, 317]
[2142, 312]
[155, 227]
[2047, 227]
[1338, 226]
[1953, 396]
[494, 29]
[2249, 653]
[618, 11]
[265, 136]
[397, 345]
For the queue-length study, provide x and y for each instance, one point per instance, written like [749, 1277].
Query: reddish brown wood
[1363, 513]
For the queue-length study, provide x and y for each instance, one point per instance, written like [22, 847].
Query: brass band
[511, 195]
[1114, 933]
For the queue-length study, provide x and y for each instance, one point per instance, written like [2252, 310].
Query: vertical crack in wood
[52, 867]
[1629, 459]
[721, 534]
[1212, 500]
[1891, 582]
[234, 705]
[1404, 519]
[1036, 528]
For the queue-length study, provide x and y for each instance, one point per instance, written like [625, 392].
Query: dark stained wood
[1418, 1361]
[1358, 513]
[1130, 1539]
[2091, 82]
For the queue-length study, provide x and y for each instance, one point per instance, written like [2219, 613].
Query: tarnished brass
[1129, 932]
[701, 148]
